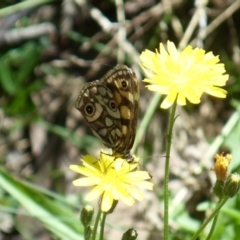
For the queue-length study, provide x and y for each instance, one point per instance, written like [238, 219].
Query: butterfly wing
[96, 103]
[123, 83]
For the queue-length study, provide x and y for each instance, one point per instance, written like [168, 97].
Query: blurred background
[48, 50]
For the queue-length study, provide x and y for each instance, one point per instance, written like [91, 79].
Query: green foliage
[16, 69]
[57, 216]
[25, 70]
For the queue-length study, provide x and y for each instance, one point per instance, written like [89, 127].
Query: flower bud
[86, 215]
[232, 185]
[130, 234]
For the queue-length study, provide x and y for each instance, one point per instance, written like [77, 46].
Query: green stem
[102, 226]
[146, 120]
[213, 227]
[214, 213]
[94, 232]
[21, 6]
[166, 176]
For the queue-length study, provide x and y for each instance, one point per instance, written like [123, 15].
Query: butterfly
[110, 107]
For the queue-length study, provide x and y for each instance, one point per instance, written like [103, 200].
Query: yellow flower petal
[168, 101]
[107, 201]
[86, 182]
[96, 192]
[147, 185]
[217, 92]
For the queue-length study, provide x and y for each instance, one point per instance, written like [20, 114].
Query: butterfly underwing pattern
[110, 107]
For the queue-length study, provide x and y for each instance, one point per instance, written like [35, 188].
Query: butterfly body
[110, 107]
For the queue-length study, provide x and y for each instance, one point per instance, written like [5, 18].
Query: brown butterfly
[110, 107]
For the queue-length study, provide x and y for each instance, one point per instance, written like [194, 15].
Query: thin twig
[220, 19]
[21, 34]
[121, 30]
[192, 26]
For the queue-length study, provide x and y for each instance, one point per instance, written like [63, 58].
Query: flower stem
[102, 226]
[214, 214]
[94, 232]
[146, 120]
[166, 176]
[213, 227]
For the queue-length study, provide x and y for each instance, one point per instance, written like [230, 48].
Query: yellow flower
[221, 166]
[112, 179]
[183, 75]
